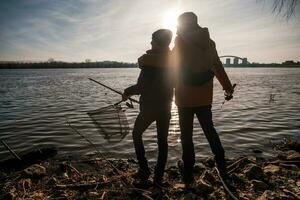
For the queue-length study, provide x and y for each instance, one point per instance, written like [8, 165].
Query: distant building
[245, 61]
[236, 61]
[227, 61]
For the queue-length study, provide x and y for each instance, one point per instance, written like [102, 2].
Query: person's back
[197, 63]
[155, 83]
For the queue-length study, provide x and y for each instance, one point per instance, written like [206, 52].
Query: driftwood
[291, 193]
[85, 186]
[228, 188]
[238, 164]
[101, 155]
[296, 162]
[73, 168]
[28, 159]
[10, 150]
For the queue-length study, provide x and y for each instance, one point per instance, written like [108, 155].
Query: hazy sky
[74, 30]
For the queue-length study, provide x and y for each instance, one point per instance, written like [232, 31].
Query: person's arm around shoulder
[220, 72]
[154, 60]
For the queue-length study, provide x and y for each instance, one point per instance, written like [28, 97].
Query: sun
[170, 20]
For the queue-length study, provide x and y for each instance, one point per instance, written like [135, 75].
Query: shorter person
[155, 85]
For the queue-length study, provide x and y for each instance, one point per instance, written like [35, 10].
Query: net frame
[111, 121]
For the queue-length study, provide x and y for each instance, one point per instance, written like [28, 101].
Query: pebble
[293, 155]
[259, 185]
[271, 169]
[190, 196]
[253, 171]
[203, 188]
[35, 171]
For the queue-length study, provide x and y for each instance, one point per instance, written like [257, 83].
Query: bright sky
[74, 30]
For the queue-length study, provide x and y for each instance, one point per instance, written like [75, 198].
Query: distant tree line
[59, 64]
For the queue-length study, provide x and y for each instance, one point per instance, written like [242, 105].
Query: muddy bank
[90, 178]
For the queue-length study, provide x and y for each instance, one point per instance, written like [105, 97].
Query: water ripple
[35, 106]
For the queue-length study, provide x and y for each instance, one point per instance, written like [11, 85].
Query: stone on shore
[203, 188]
[293, 155]
[35, 171]
[271, 169]
[253, 171]
[258, 186]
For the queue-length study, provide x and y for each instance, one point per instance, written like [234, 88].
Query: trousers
[186, 119]
[146, 117]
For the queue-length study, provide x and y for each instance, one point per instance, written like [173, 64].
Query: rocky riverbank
[251, 178]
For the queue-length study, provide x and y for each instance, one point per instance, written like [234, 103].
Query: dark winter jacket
[197, 62]
[155, 83]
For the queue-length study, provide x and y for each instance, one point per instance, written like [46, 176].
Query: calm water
[35, 106]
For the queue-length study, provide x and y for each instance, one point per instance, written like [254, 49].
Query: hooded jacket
[155, 82]
[196, 62]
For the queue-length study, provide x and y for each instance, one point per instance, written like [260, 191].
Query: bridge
[236, 59]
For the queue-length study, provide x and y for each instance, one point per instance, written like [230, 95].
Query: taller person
[197, 62]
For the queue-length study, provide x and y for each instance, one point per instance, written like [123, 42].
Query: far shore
[91, 66]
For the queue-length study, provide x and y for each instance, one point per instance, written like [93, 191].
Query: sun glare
[170, 20]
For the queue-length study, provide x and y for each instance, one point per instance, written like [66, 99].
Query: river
[36, 104]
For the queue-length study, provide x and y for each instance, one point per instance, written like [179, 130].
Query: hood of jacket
[194, 50]
[198, 37]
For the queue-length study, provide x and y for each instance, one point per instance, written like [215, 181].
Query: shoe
[142, 174]
[190, 184]
[141, 179]
[187, 175]
[160, 183]
[222, 166]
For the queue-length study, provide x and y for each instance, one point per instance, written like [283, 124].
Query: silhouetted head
[187, 21]
[161, 38]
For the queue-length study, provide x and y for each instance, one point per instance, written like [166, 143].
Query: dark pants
[142, 122]
[186, 119]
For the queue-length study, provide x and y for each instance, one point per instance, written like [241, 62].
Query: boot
[221, 164]
[187, 175]
[141, 179]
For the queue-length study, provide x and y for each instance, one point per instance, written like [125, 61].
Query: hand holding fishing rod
[228, 95]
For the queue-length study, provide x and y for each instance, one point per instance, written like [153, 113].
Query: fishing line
[225, 185]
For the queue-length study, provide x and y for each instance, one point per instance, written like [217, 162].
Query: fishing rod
[10, 150]
[116, 91]
[115, 169]
[94, 146]
[228, 188]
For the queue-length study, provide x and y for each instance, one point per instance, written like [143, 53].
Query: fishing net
[111, 122]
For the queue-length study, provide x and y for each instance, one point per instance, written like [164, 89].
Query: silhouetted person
[155, 85]
[197, 62]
